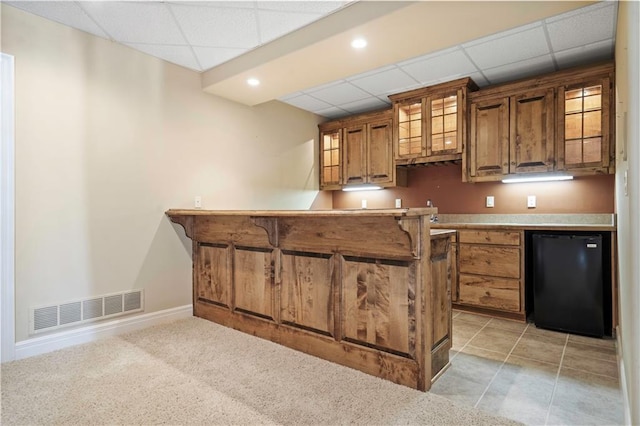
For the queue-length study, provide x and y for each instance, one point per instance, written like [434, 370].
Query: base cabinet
[491, 271]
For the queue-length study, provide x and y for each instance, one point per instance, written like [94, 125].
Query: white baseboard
[52, 342]
[623, 379]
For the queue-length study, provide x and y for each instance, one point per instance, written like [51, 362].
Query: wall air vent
[47, 318]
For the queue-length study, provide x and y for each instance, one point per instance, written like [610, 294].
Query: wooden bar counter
[368, 289]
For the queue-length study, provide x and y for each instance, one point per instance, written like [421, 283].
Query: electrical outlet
[364, 204]
[398, 203]
[197, 202]
[531, 201]
[490, 201]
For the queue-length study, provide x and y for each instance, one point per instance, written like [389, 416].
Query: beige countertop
[576, 222]
[422, 211]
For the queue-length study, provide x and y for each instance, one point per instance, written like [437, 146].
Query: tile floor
[535, 376]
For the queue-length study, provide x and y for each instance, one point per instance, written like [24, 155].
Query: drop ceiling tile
[384, 82]
[502, 34]
[449, 66]
[290, 96]
[274, 24]
[221, 3]
[364, 105]
[129, 22]
[522, 69]
[595, 24]
[338, 94]
[180, 55]
[512, 48]
[582, 55]
[430, 55]
[308, 102]
[479, 79]
[209, 57]
[217, 26]
[307, 6]
[371, 72]
[332, 112]
[66, 13]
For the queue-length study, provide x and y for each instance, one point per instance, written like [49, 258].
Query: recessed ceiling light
[253, 82]
[358, 43]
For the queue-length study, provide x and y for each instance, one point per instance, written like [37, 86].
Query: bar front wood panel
[376, 300]
[362, 289]
[307, 290]
[212, 269]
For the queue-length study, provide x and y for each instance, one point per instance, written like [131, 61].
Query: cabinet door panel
[532, 135]
[378, 297]
[380, 152]
[330, 159]
[487, 292]
[441, 270]
[354, 155]
[213, 273]
[307, 290]
[254, 281]
[489, 144]
[490, 260]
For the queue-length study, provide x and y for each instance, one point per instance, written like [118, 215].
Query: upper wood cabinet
[364, 154]
[585, 126]
[430, 123]
[557, 122]
[330, 157]
[511, 135]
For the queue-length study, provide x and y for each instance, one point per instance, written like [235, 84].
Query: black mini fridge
[568, 283]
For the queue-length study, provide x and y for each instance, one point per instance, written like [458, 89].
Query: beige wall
[628, 204]
[107, 139]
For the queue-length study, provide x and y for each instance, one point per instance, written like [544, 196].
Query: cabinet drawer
[486, 292]
[489, 260]
[490, 237]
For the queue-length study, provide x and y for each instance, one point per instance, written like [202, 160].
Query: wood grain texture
[354, 155]
[350, 236]
[380, 167]
[354, 289]
[213, 273]
[441, 288]
[254, 280]
[489, 292]
[532, 139]
[508, 238]
[489, 141]
[490, 260]
[307, 290]
[376, 300]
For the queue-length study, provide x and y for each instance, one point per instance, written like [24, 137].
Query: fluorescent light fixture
[359, 43]
[525, 179]
[362, 188]
[253, 82]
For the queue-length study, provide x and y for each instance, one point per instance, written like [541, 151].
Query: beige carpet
[196, 372]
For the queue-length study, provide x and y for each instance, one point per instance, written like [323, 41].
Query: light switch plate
[531, 201]
[490, 201]
[197, 202]
[364, 204]
[398, 203]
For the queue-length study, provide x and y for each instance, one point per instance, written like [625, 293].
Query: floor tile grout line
[501, 365]
[470, 339]
[555, 384]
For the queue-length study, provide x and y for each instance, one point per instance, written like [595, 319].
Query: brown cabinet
[511, 135]
[330, 156]
[490, 271]
[558, 122]
[585, 126]
[430, 123]
[364, 153]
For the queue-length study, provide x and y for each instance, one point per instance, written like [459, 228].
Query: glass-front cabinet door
[584, 126]
[445, 124]
[411, 142]
[330, 159]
